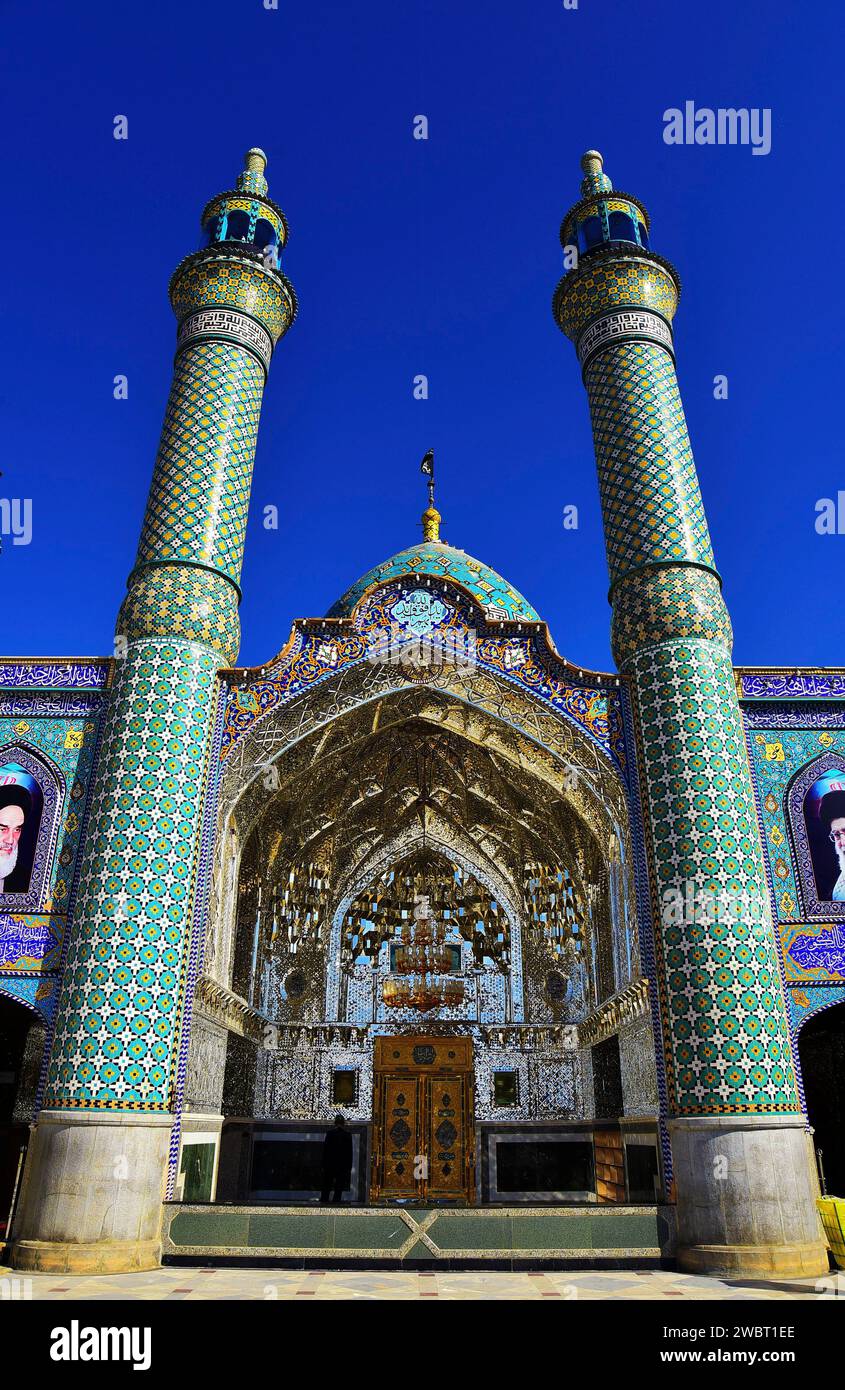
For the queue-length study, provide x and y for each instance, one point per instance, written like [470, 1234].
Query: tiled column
[744, 1190]
[95, 1173]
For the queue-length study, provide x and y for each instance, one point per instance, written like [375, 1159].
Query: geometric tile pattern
[782, 756]
[197, 508]
[723, 1015]
[725, 1031]
[121, 1000]
[437, 559]
[181, 601]
[222, 277]
[683, 602]
[651, 502]
[603, 283]
[523, 660]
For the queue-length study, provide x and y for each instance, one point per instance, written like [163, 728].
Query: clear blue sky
[437, 257]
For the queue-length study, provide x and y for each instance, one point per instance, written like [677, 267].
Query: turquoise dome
[441, 561]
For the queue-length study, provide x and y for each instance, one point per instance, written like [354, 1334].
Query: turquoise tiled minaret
[111, 1076]
[744, 1189]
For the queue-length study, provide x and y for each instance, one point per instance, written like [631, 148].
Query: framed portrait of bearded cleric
[31, 796]
[816, 815]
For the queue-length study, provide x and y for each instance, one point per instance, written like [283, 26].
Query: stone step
[510, 1237]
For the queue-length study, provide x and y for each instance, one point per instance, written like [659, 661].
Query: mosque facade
[551, 941]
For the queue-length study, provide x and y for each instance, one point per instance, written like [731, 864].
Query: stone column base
[77, 1257]
[92, 1193]
[746, 1197]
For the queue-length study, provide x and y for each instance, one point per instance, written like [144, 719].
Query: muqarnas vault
[546, 938]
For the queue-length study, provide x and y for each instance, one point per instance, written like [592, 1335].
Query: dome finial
[431, 517]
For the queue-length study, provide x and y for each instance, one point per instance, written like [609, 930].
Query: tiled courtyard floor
[197, 1283]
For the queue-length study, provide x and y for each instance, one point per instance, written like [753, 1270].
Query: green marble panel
[353, 1231]
[210, 1228]
[625, 1231]
[552, 1231]
[467, 1232]
[309, 1230]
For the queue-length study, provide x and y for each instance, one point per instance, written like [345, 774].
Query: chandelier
[421, 964]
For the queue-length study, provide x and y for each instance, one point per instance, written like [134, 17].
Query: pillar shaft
[123, 997]
[725, 1036]
[726, 1041]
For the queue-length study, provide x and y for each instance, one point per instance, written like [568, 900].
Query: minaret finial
[252, 179]
[431, 517]
[595, 180]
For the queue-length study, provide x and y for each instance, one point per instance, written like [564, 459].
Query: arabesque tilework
[789, 743]
[523, 659]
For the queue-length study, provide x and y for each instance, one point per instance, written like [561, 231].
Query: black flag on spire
[427, 465]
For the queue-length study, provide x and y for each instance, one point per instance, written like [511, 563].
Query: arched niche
[821, 1049]
[298, 738]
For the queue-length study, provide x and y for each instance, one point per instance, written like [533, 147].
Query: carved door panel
[423, 1129]
[398, 1119]
[448, 1107]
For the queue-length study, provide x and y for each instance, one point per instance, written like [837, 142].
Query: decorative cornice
[789, 683]
[614, 1014]
[562, 1037]
[55, 673]
[229, 1010]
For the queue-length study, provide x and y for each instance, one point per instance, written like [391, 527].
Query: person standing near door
[337, 1161]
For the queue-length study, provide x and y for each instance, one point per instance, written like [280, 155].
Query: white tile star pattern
[119, 1012]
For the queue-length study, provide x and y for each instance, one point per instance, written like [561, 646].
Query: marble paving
[196, 1283]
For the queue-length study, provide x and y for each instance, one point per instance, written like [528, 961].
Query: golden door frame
[423, 1121]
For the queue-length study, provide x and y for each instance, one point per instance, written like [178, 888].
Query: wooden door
[447, 1131]
[423, 1130]
[399, 1124]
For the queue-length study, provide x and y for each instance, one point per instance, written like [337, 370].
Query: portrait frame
[51, 784]
[815, 908]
